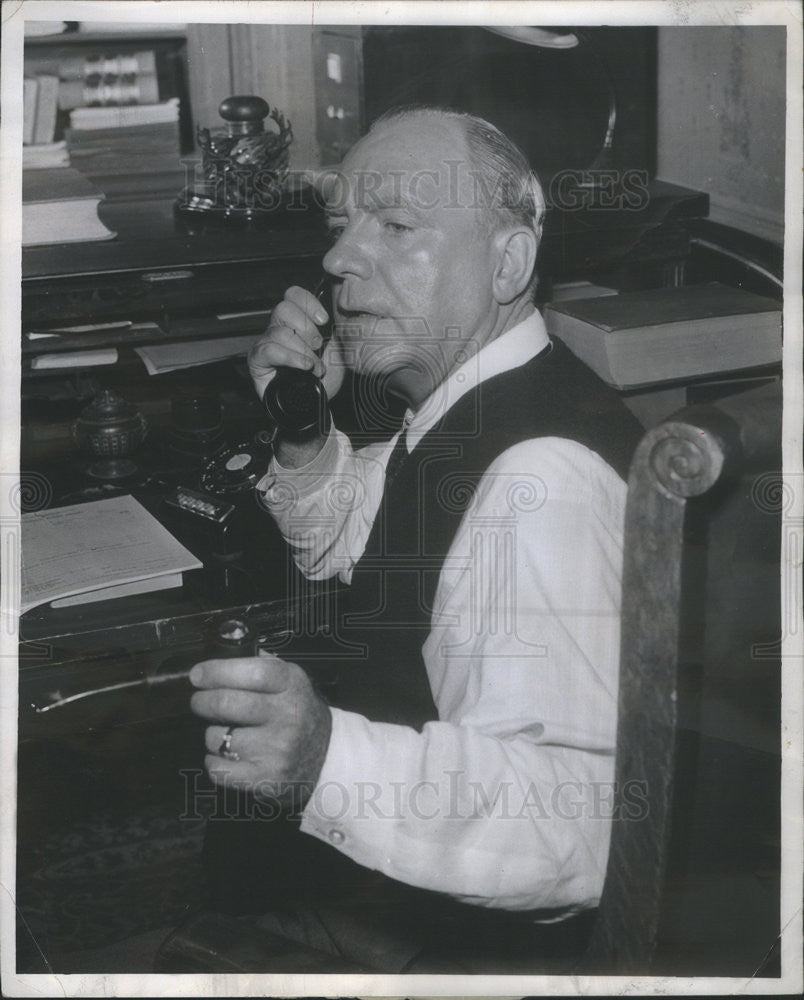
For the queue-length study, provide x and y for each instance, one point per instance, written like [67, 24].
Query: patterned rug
[105, 882]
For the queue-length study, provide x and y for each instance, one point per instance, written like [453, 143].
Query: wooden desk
[156, 269]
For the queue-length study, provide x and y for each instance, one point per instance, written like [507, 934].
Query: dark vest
[391, 597]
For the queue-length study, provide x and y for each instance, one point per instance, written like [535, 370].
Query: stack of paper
[161, 358]
[96, 551]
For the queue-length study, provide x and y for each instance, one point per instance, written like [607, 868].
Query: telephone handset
[295, 399]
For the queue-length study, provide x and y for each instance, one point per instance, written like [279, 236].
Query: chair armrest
[680, 459]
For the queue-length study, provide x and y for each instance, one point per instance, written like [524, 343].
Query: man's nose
[349, 257]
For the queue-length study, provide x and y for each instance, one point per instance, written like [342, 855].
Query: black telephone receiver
[295, 399]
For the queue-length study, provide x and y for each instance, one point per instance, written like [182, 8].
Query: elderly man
[457, 785]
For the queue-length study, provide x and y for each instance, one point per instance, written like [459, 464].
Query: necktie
[396, 459]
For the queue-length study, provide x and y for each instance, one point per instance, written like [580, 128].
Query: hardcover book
[47, 100]
[638, 339]
[59, 205]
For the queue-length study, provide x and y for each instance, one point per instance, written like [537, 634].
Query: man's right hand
[291, 340]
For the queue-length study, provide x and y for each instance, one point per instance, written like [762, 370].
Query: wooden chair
[691, 472]
[717, 467]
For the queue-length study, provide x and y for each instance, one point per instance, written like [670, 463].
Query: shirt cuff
[304, 480]
[371, 804]
[338, 802]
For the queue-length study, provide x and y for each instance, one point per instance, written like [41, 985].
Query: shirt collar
[511, 349]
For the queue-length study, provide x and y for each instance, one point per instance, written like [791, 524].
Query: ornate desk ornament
[110, 428]
[244, 166]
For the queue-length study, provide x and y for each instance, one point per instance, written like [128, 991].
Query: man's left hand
[280, 726]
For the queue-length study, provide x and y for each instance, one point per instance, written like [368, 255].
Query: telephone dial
[296, 403]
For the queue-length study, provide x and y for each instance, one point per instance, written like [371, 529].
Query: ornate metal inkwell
[245, 176]
[110, 428]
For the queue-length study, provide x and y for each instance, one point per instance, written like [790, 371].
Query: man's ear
[516, 257]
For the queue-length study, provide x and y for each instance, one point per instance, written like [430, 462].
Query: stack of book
[91, 81]
[127, 150]
[103, 115]
[59, 85]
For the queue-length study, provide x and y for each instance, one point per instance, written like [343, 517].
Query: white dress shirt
[505, 801]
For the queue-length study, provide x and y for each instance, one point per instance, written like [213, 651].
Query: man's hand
[291, 340]
[280, 725]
